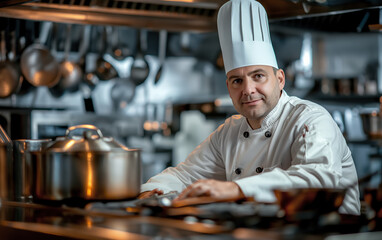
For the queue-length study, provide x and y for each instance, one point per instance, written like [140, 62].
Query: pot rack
[161, 14]
[171, 15]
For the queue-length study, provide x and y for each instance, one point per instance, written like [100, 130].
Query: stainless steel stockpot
[24, 151]
[89, 167]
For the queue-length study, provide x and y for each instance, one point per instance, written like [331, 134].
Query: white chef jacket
[298, 146]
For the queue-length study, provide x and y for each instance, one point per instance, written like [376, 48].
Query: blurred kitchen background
[150, 73]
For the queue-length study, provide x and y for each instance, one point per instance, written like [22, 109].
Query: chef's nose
[249, 87]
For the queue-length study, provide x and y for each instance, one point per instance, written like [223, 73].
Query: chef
[277, 142]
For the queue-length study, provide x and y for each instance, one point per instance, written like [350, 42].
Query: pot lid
[90, 140]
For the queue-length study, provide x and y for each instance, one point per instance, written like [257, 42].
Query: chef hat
[244, 35]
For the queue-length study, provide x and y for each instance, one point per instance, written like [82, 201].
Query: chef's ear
[280, 76]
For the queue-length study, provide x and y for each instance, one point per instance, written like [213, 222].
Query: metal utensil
[14, 61]
[313, 201]
[104, 69]
[88, 167]
[372, 122]
[6, 169]
[140, 68]
[10, 75]
[122, 92]
[38, 65]
[6, 166]
[162, 54]
[21, 41]
[120, 50]
[71, 72]
[24, 167]
[89, 82]
[4, 138]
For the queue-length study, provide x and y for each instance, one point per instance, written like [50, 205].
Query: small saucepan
[87, 166]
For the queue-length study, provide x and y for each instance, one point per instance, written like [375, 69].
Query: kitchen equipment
[89, 81]
[122, 92]
[140, 68]
[22, 37]
[24, 178]
[372, 122]
[373, 198]
[162, 54]
[10, 75]
[120, 50]
[307, 202]
[6, 166]
[6, 172]
[71, 72]
[15, 61]
[4, 138]
[87, 167]
[104, 69]
[38, 65]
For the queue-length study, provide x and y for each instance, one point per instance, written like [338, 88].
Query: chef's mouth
[252, 102]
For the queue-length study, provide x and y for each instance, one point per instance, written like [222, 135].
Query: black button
[259, 169]
[238, 171]
[268, 134]
[246, 134]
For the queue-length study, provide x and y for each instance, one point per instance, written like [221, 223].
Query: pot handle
[84, 126]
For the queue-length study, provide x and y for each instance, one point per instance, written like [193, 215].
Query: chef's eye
[237, 81]
[258, 76]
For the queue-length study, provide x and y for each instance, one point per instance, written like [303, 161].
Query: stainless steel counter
[20, 220]
[36, 221]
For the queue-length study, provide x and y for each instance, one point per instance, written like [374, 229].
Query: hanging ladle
[71, 73]
[10, 75]
[120, 50]
[140, 68]
[162, 54]
[38, 65]
[104, 70]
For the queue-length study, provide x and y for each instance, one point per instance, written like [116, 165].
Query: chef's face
[255, 91]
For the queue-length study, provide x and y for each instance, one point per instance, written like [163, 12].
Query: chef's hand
[212, 188]
[148, 194]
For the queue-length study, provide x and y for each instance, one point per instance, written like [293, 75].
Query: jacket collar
[274, 114]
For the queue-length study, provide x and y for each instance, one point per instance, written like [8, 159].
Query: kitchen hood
[172, 15]
[184, 15]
